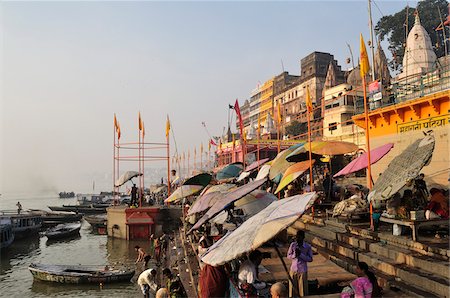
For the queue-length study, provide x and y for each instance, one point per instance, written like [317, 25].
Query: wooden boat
[52, 218]
[77, 274]
[23, 224]
[98, 223]
[79, 209]
[6, 233]
[63, 231]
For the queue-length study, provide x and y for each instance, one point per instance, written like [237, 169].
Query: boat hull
[79, 209]
[78, 274]
[7, 235]
[68, 231]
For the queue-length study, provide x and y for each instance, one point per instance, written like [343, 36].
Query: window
[332, 126]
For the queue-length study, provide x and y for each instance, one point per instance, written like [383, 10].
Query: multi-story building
[266, 100]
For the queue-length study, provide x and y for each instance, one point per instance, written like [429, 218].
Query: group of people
[171, 286]
[158, 250]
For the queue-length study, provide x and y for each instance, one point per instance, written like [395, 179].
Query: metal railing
[411, 88]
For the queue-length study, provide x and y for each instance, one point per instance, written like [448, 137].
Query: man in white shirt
[147, 282]
[248, 272]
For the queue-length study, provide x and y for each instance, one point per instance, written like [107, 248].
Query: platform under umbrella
[229, 198]
[259, 229]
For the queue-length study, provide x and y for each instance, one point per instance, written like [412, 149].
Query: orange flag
[118, 130]
[115, 121]
[140, 121]
[363, 58]
[167, 126]
[279, 113]
[308, 101]
[143, 129]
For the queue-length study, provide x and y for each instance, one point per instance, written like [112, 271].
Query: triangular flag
[363, 58]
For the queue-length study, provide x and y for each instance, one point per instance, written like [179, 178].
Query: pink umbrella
[361, 162]
[256, 164]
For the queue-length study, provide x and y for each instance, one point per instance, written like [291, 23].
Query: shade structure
[259, 229]
[230, 171]
[202, 179]
[256, 164]
[128, 175]
[182, 192]
[292, 173]
[229, 198]
[325, 148]
[362, 161]
[209, 197]
[250, 204]
[403, 168]
[263, 172]
[280, 164]
[242, 176]
[255, 201]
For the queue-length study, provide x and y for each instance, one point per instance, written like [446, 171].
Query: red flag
[212, 142]
[238, 113]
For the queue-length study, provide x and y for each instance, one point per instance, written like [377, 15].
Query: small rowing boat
[77, 274]
[63, 231]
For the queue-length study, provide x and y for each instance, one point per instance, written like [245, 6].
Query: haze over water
[89, 249]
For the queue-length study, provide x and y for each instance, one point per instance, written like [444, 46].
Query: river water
[88, 249]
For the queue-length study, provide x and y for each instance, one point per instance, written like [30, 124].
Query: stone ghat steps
[406, 269]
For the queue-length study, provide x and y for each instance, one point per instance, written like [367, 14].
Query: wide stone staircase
[414, 268]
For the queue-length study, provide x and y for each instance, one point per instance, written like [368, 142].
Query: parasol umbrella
[361, 162]
[128, 175]
[292, 173]
[259, 229]
[280, 164]
[229, 198]
[263, 172]
[242, 176]
[325, 148]
[250, 204]
[403, 168]
[256, 164]
[230, 171]
[209, 197]
[202, 179]
[182, 192]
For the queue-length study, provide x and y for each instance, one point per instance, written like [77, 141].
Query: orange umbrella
[292, 173]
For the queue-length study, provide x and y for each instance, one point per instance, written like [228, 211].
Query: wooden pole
[114, 163]
[286, 269]
[311, 184]
[168, 166]
[369, 169]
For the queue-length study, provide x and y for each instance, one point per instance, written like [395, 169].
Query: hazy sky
[67, 67]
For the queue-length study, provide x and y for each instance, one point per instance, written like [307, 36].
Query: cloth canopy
[128, 175]
[258, 229]
[292, 173]
[361, 162]
[182, 192]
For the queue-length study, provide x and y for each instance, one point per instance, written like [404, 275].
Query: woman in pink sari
[365, 286]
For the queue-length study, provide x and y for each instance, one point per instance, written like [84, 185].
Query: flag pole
[168, 157]
[369, 168]
[257, 142]
[308, 111]
[114, 159]
[364, 69]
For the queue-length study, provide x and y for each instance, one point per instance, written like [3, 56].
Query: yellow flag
[363, 58]
[140, 121]
[209, 146]
[308, 101]
[234, 141]
[143, 129]
[167, 126]
[201, 148]
[279, 113]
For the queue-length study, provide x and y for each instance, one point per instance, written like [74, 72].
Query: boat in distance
[80, 209]
[78, 274]
[63, 231]
[6, 233]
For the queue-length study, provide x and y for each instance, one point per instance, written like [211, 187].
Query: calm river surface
[89, 249]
